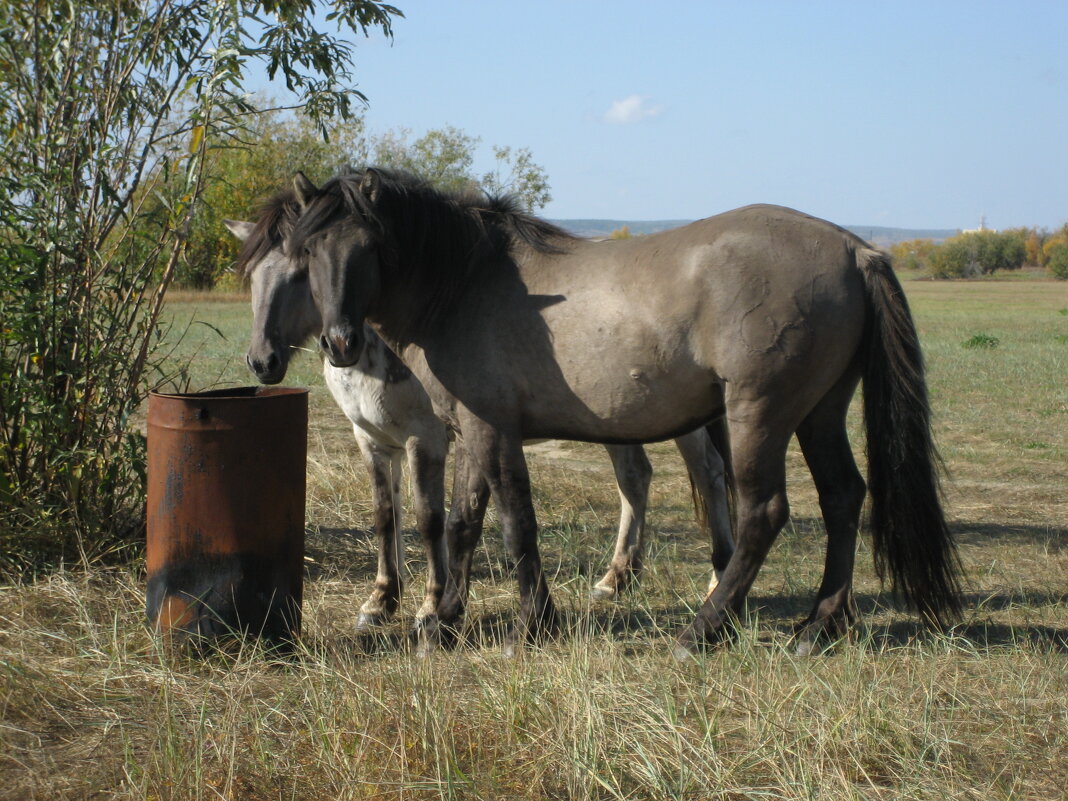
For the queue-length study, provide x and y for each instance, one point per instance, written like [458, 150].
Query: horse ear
[370, 184]
[304, 188]
[239, 228]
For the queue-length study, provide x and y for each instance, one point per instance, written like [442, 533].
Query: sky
[915, 115]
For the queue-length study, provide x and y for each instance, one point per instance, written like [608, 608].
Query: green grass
[91, 707]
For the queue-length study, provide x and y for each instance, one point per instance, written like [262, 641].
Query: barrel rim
[233, 393]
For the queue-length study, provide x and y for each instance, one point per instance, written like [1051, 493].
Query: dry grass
[90, 707]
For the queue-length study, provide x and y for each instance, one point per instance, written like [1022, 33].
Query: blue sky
[900, 114]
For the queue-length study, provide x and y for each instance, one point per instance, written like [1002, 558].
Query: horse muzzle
[268, 370]
[342, 345]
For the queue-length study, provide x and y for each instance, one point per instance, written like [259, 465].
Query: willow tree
[102, 102]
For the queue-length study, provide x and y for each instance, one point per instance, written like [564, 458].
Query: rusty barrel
[226, 483]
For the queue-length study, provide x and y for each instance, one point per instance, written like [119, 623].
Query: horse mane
[437, 239]
[522, 227]
[276, 219]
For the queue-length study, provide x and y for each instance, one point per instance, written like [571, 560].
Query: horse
[772, 317]
[391, 416]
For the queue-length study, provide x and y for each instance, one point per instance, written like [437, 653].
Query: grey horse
[764, 314]
[392, 417]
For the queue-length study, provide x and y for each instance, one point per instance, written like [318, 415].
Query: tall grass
[92, 707]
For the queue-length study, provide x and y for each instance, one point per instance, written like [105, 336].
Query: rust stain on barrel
[226, 490]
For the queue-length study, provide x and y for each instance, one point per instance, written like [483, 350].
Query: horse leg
[708, 476]
[825, 444]
[383, 463]
[499, 455]
[759, 443]
[633, 474]
[463, 530]
[426, 462]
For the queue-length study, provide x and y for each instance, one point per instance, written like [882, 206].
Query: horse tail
[910, 536]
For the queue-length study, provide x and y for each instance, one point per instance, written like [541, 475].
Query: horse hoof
[424, 647]
[818, 635]
[514, 644]
[599, 593]
[368, 621]
[683, 653]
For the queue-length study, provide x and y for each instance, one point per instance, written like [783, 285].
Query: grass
[92, 707]
[981, 341]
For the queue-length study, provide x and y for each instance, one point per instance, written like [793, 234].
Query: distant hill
[880, 236]
[885, 237]
[597, 229]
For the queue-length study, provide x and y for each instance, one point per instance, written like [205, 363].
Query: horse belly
[624, 384]
[643, 406]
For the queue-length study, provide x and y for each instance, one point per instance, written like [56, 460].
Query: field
[91, 708]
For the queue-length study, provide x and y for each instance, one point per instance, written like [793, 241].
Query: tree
[978, 253]
[1055, 253]
[516, 173]
[952, 259]
[443, 156]
[446, 158]
[1011, 248]
[242, 175]
[239, 177]
[106, 107]
[914, 254]
[1057, 262]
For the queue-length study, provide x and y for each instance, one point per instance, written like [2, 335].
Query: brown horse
[772, 317]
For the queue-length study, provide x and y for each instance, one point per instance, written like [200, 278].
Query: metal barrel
[226, 486]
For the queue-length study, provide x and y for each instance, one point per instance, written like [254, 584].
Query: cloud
[631, 109]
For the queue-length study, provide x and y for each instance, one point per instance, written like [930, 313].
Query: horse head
[341, 253]
[283, 313]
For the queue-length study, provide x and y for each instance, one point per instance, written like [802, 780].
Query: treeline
[975, 253]
[266, 154]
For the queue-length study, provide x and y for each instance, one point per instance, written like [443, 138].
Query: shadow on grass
[782, 613]
[641, 632]
[974, 533]
[351, 554]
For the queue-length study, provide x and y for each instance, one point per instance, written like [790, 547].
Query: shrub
[953, 259]
[1057, 262]
[105, 107]
[979, 253]
[914, 254]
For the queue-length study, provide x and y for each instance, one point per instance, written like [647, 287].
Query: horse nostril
[272, 363]
[324, 344]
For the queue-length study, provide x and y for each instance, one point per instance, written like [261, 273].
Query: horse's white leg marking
[633, 475]
[426, 463]
[384, 465]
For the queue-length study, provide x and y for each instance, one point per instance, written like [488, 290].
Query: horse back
[643, 339]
